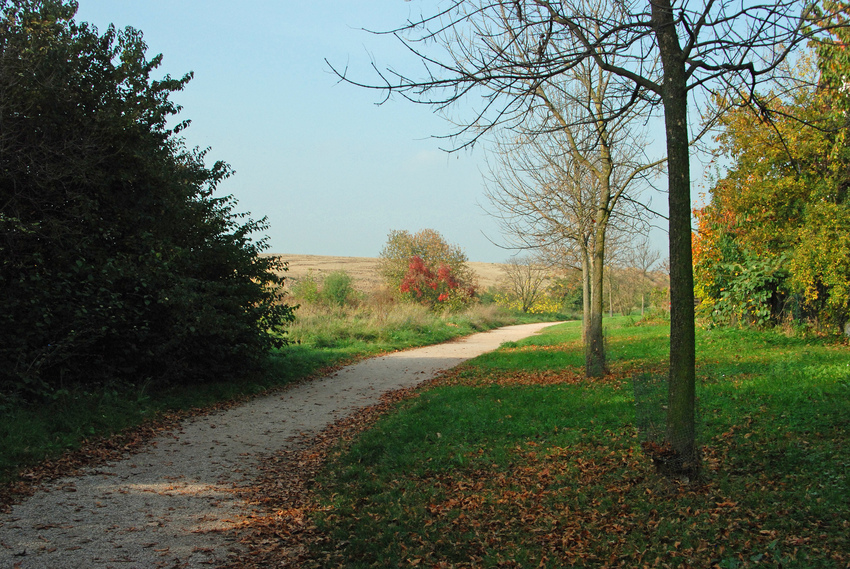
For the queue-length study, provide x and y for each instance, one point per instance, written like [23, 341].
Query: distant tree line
[119, 261]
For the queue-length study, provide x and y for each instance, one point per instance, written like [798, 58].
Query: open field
[364, 270]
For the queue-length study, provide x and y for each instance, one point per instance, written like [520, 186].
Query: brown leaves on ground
[462, 376]
[538, 507]
[596, 503]
[478, 378]
[92, 453]
[545, 377]
[278, 532]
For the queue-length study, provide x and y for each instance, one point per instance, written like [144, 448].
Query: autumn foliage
[431, 247]
[772, 241]
[423, 267]
[433, 288]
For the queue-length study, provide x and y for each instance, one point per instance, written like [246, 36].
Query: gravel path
[169, 505]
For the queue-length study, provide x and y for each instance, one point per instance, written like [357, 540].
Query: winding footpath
[171, 505]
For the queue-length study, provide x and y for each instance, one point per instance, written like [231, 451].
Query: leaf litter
[583, 505]
[578, 505]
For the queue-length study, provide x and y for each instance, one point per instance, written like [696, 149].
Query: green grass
[490, 469]
[32, 433]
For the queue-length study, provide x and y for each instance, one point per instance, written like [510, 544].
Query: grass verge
[515, 460]
[49, 430]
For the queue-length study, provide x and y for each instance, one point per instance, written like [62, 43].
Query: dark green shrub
[119, 262]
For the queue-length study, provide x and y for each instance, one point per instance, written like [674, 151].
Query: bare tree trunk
[680, 431]
[585, 303]
[594, 350]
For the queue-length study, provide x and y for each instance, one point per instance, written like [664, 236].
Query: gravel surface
[171, 505]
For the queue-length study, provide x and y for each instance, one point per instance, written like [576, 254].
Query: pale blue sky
[332, 171]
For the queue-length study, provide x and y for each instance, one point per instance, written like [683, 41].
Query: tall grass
[382, 324]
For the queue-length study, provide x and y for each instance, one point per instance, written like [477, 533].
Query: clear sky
[332, 171]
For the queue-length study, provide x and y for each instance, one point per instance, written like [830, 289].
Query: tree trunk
[586, 304]
[594, 350]
[680, 432]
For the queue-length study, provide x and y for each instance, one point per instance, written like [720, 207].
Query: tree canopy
[773, 240]
[119, 261]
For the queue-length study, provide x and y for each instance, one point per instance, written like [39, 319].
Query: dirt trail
[168, 506]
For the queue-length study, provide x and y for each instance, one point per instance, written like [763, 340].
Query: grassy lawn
[515, 460]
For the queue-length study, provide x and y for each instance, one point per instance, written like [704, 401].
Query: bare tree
[524, 277]
[566, 178]
[502, 50]
[643, 258]
[628, 273]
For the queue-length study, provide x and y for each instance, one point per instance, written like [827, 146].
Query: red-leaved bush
[421, 284]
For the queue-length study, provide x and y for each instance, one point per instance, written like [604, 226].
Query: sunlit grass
[373, 328]
[488, 469]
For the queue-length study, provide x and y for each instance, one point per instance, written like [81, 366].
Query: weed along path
[172, 504]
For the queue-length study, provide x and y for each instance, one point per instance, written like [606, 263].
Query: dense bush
[435, 289]
[119, 262]
[338, 288]
[772, 241]
[423, 267]
[305, 289]
[429, 246]
[334, 289]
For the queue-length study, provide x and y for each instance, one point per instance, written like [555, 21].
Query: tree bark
[585, 304]
[680, 428]
[594, 365]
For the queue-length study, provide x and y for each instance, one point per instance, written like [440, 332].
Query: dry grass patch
[364, 270]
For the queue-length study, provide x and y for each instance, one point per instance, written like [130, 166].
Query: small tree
[572, 178]
[642, 257]
[433, 251]
[524, 277]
